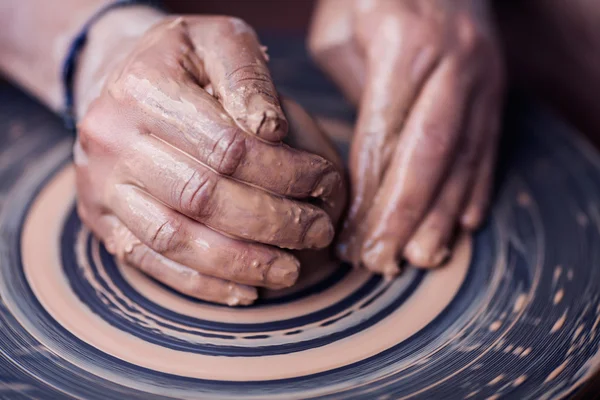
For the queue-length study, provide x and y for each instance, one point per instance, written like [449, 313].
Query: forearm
[36, 35]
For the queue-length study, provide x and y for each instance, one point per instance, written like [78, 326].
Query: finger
[419, 164]
[331, 42]
[481, 190]
[236, 66]
[479, 201]
[305, 134]
[227, 206]
[189, 243]
[188, 281]
[203, 130]
[384, 106]
[429, 245]
[123, 244]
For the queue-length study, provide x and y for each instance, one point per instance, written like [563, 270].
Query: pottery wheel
[516, 312]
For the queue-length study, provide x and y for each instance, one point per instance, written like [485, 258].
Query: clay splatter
[558, 296]
[559, 323]
[518, 351]
[519, 380]
[495, 326]
[496, 380]
[557, 371]
[519, 303]
[557, 273]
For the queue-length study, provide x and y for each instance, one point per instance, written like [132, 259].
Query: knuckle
[92, 137]
[228, 151]
[254, 76]
[197, 192]
[167, 237]
[83, 213]
[141, 75]
[80, 159]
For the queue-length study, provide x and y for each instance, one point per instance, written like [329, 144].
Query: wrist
[109, 42]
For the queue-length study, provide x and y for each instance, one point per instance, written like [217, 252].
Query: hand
[428, 79]
[181, 170]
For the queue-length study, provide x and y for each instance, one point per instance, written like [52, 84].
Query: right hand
[427, 76]
[181, 170]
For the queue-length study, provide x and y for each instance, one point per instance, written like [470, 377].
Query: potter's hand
[427, 77]
[180, 168]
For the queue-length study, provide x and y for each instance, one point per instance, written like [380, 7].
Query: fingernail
[327, 184]
[283, 272]
[241, 295]
[378, 256]
[320, 233]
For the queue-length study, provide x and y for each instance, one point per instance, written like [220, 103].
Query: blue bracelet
[70, 64]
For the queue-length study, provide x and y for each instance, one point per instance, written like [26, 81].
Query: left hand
[427, 76]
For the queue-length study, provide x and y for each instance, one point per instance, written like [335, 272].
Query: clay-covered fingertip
[320, 233]
[424, 258]
[377, 256]
[327, 185]
[283, 272]
[272, 126]
[241, 295]
[266, 120]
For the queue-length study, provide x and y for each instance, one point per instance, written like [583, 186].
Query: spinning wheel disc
[515, 312]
